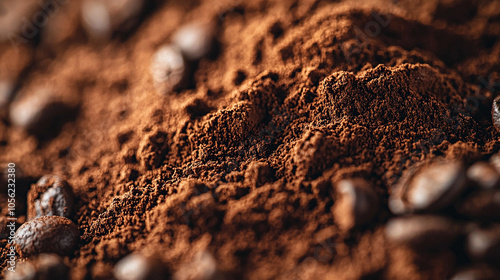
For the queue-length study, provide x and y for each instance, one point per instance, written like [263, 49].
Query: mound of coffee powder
[300, 144]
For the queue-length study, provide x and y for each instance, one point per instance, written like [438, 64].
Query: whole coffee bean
[495, 113]
[23, 271]
[481, 205]
[40, 113]
[477, 273]
[483, 175]
[51, 266]
[484, 244]
[432, 187]
[50, 196]
[47, 234]
[357, 204]
[202, 267]
[195, 40]
[138, 267]
[102, 18]
[422, 232]
[168, 69]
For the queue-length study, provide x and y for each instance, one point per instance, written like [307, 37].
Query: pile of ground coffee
[265, 165]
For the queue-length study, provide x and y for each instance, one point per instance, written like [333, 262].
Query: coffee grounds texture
[243, 163]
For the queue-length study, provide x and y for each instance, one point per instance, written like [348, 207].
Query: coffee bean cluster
[448, 205]
[49, 228]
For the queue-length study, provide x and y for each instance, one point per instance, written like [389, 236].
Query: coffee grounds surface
[243, 162]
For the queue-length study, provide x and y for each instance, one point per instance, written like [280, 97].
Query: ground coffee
[243, 162]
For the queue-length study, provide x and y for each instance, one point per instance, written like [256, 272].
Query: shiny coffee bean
[481, 205]
[40, 113]
[138, 267]
[357, 203]
[195, 40]
[50, 196]
[48, 234]
[483, 175]
[168, 69]
[102, 18]
[484, 244]
[477, 273]
[495, 113]
[422, 232]
[432, 187]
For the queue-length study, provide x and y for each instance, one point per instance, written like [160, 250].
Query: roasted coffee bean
[357, 204]
[169, 69]
[23, 271]
[48, 234]
[481, 205]
[51, 266]
[422, 232]
[495, 113]
[102, 18]
[138, 267]
[432, 187]
[483, 175]
[40, 114]
[195, 40]
[484, 244]
[477, 273]
[50, 196]
[202, 267]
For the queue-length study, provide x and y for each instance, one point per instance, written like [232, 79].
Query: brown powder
[244, 163]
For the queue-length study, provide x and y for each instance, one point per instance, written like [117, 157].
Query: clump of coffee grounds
[244, 162]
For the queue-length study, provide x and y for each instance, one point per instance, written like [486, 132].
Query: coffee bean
[23, 271]
[432, 187]
[484, 244]
[202, 267]
[102, 18]
[195, 40]
[477, 273]
[481, 205]
[50, 196]
[495, 113]
[168, 69]
[422, 232]
[51, 266]
[40, 113]
[357, 204]
[47, 234]
[483, 175]
[138, 267]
